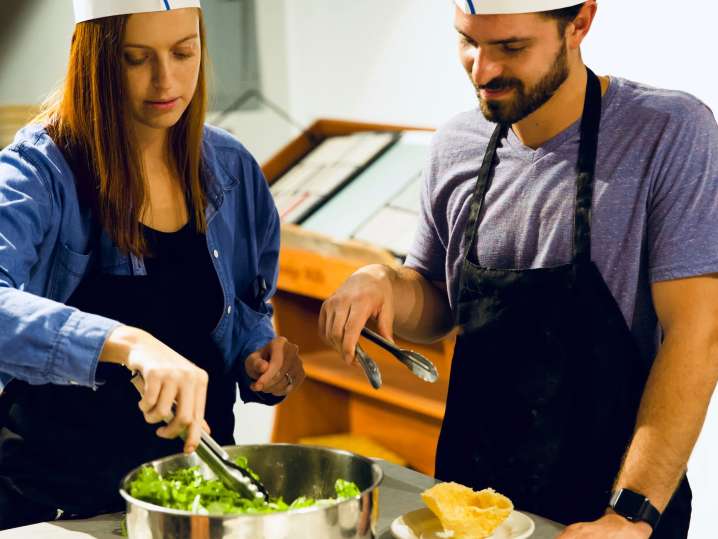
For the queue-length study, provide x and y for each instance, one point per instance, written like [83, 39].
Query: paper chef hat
[501, 7]
[86, 10]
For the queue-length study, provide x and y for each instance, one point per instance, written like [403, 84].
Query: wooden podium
[405, 414]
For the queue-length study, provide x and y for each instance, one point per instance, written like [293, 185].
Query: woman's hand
[169, 379]
[276, 368]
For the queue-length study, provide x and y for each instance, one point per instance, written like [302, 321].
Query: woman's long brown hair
[88, 116]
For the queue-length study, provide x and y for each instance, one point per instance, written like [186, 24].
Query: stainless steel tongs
[417, 363]
[217, 459]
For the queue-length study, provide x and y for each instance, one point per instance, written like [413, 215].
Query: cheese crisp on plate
[457, 512]
[469, 514]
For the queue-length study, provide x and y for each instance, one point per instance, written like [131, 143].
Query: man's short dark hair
[563, 16]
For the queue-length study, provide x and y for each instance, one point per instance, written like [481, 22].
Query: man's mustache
[501, 84]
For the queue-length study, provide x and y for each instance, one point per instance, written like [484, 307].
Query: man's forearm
[671, 416]
[422, 312]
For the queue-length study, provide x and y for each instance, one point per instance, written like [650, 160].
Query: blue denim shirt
[46, 249]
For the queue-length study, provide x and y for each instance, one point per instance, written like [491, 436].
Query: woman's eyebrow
[193, 36]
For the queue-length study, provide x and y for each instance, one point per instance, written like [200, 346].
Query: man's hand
[609, 526]
[276, 368]
[366, 294]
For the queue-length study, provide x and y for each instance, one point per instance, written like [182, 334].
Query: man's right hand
[368, 293]
[169, 379]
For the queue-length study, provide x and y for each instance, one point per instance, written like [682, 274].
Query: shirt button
[216, 253]
[229, 310]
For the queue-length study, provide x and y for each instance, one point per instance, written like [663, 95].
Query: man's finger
[356, 320]
[322, 323]
[336, 331]
[385, 323]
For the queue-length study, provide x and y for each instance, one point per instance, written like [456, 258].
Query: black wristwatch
[634, 507]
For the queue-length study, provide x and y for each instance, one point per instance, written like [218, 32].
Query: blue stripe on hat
[167, 5]
[471, 7]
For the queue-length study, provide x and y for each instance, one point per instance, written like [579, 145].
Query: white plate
[423, 524]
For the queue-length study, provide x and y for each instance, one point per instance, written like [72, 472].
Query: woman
[132, 238]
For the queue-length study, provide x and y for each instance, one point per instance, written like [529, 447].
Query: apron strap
[482, 186]
[588, 149]
[587, 153]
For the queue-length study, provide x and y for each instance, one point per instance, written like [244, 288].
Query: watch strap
[641, 508]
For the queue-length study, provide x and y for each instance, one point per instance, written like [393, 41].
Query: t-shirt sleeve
[682, 228]
[427, 253]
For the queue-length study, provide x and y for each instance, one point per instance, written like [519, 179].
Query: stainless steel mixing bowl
[288, 471]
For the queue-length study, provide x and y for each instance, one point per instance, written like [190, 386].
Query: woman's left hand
[276, 368]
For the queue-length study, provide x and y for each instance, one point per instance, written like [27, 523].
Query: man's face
[515, 62]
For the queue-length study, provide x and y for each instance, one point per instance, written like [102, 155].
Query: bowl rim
[179, 512]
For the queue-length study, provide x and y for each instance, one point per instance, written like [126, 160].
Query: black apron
[68, 447]
[546, 378]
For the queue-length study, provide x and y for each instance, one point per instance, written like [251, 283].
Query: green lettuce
[187, 490]
[346, 489]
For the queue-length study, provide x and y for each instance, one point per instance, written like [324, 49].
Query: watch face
[628, 504]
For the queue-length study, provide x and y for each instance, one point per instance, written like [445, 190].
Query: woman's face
[161, 55]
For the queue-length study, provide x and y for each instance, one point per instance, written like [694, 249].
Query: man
[568, 228]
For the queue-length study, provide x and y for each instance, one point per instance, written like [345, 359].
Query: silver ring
[290, 381]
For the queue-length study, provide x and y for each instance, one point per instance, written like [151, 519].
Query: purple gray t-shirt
[655, 206]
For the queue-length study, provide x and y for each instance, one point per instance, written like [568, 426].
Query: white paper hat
[501, 7]
[86, 10]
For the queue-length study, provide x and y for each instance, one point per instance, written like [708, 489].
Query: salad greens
[346, 489]
[188, 490]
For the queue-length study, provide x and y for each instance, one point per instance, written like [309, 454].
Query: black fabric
[546, 378]
[16, 510]
[68, 447]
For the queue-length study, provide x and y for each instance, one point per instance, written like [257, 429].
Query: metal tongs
[217, 459]
[417, 363]
[370, 367]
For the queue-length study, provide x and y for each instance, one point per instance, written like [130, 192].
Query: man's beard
[512, 110]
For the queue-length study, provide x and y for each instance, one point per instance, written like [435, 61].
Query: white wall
[375, 60]
[36, 40]
[394, 61]
[260, 129]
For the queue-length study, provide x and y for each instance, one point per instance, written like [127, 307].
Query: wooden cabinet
[12, 118]
[405, 414]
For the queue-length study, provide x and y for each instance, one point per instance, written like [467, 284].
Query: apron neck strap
[588, 149]
[590, 122]
[481, 188]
